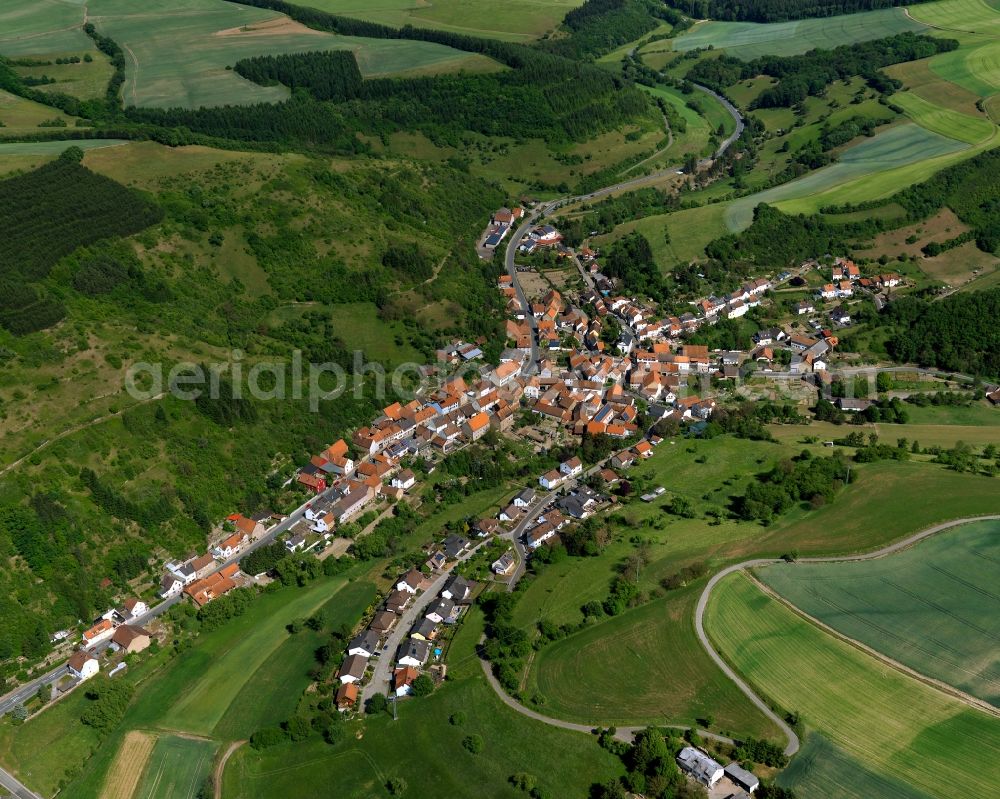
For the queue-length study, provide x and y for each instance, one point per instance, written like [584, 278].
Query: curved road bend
[628, 733]
[699, 618]
[547, 208]
[621, 733]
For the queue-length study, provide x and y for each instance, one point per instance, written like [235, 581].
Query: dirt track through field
[128, 766]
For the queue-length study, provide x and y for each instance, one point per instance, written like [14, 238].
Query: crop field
[29, 27]
[875, 160]
[932, 607]
[749, 40]
[822, 769]
[918, 78]
[518, 20]
[129, 765]
[945, 121]
[926, 738]
[181, 58]
[885, 503]
[178, 51]
[177, 768]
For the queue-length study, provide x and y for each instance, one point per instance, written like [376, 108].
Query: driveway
[381, 679]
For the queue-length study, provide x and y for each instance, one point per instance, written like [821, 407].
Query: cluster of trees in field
[809, 74]
[631, 261]
[971, 189]
[803, 479]
[959, 333]
[599, 26]
[777, 10]
[46, 214]
[329, 75]
[777, 239]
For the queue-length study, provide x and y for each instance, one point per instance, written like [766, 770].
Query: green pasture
[822, 769]
[28, 27]
[689, 230]
[931, 607]
[885, 502]
[643, 667]
[179, 56]
[896, 725]
[86, 80]
[176, 768]
[514, 20]
[41, 751]
[196, 695]
[981, 414]
[749, 40]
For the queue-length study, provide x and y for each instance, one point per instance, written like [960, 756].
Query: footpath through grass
[932, 607]
[896, 725]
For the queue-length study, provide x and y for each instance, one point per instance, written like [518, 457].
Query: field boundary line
[931, 682]
[745, 688]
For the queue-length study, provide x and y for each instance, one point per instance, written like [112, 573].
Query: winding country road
[628, 733]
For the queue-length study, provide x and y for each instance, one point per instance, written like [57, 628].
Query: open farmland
[177, 768]
[932, 608]
[894, 724]
[518, 20]
[749, 40]
[900, 146]
[178, 52]
[129, 765]
[28, 27]
[819, 765]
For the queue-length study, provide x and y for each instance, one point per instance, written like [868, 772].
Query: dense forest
[46, 214]
[960, 333]
[779, 10]
[599, 26]
[555, 99]
[809, 74]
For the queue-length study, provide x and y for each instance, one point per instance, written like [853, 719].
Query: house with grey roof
[458, 589]
[365, 643]
[741, 777]
[700, 766]
[413, 652]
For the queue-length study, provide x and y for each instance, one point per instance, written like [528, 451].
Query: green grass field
[86, 80]
[196, 695]
[233, 680]
[642, 667]
[177, 54]
[515, 20]
[895, 725]
[176, 768]
[931, 607]
[749, 40]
